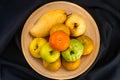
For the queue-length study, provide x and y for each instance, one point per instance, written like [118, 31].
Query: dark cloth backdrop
[13, 14]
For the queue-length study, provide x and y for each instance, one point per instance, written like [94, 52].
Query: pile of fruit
[59, 40]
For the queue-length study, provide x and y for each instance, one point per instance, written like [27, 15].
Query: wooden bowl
[92, 32]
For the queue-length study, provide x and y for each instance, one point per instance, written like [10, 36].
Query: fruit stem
[75, 25]
[51, 52]
[36, 47]
[71, 52]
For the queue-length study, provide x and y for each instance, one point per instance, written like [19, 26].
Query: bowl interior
[92, 32]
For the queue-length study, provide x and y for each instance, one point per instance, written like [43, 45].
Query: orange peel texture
[59, 40]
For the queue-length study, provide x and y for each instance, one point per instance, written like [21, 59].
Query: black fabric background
[13, 14]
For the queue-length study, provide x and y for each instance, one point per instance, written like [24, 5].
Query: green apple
[74, 51]
[49, 54]
[76, 24]
[62, 27]
[36, 45]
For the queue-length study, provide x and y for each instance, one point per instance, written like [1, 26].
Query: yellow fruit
[88, 44]
[71, 65]
[62, 27]
[46, 21]
[52, 66]
[35, 46]
[76, 24]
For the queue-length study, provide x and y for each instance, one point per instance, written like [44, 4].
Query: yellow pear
[46, 21]
[76, 24]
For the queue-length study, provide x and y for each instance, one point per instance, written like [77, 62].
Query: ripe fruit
[74, 51]
[77, 25]
[88, 44]
[52, 66]
[35, 46]
[46, 21]
[59, 40]
[48, 54]
[62, 27]
[71, 65]
[58, 28]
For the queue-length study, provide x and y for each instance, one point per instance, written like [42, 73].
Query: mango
[46, 21]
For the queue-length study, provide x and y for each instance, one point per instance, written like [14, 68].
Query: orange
[70, 65]
[59, 40]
